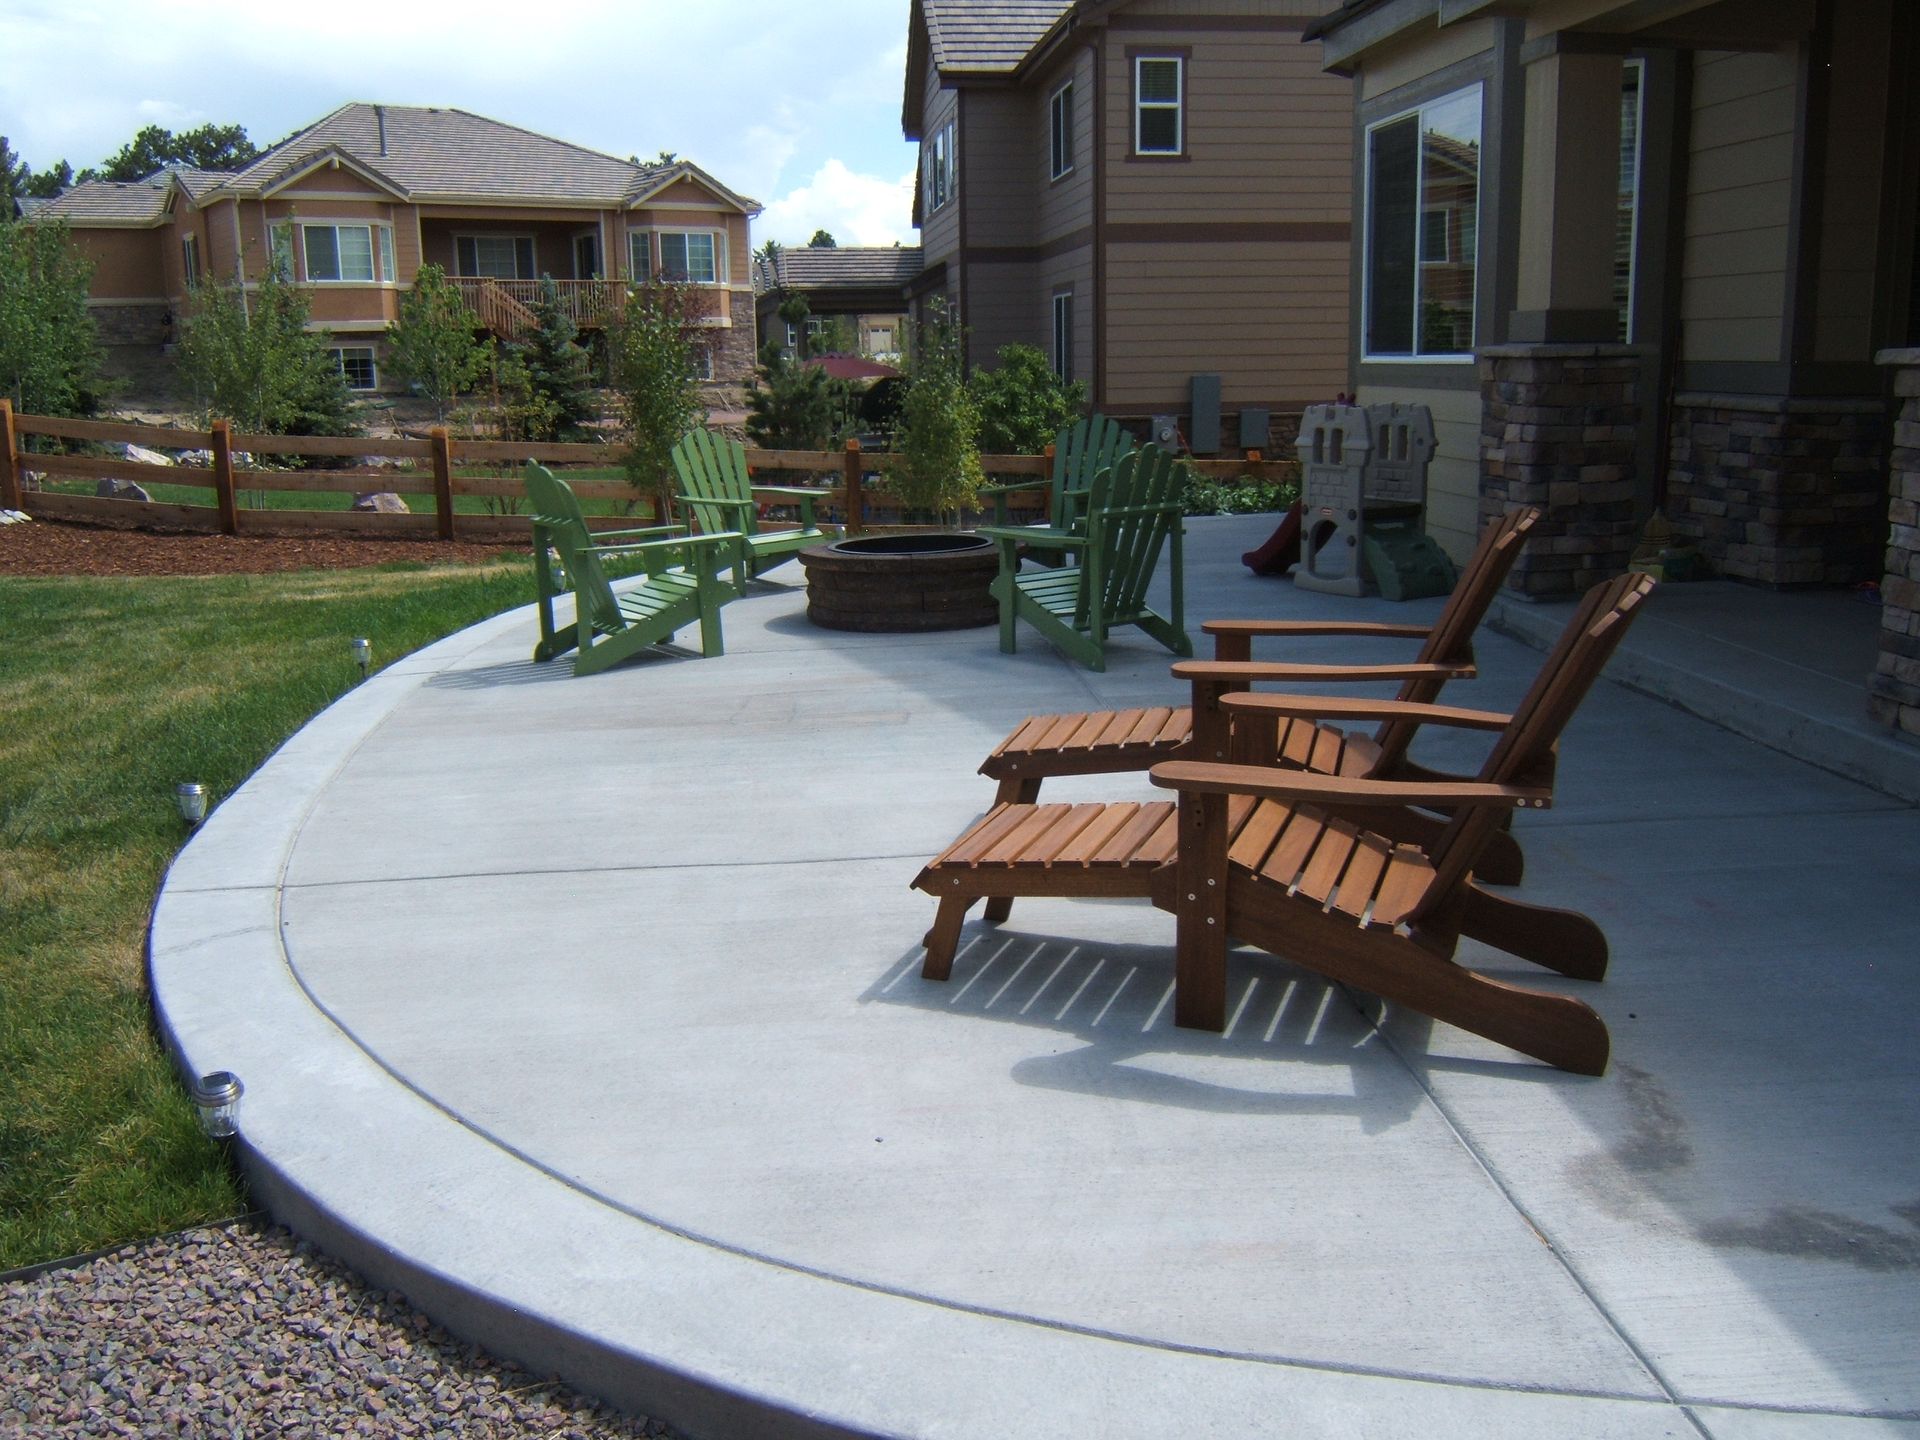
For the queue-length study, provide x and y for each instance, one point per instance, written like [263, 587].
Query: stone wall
[1893, 691]
[1785, 491]
[732, 348]
[1558, 427]
[149, 323]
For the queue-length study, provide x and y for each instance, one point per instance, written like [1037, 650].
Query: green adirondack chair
[721, 496]
[681, 583]
[1133, 512]
[1080, 452]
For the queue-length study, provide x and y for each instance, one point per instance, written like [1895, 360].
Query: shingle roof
[844, 267]
[133, 202]
[987, 36]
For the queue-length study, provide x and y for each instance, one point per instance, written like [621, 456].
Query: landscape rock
[382, 502]
[110, 488]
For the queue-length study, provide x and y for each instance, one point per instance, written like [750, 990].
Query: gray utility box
[1363, 490]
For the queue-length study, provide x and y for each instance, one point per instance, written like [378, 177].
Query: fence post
[223, 477]
[856, 497]
[442, 481]
[9, 465]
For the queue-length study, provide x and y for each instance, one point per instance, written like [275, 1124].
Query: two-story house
[353, 205]
[1147, 190]
[863, 286]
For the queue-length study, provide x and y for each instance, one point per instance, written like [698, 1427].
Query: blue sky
[795, 105]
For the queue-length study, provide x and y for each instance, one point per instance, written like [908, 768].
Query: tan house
[863, 285]
[1147, 190]
[1687, 236]
[354, 204]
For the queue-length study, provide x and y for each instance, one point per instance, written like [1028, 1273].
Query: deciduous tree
[252, 360]
[652, 350]
[49, 357]
[1023, 404]
[435, 346]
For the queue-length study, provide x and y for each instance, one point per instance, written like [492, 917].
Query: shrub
[253, 361]
[49, 357]
[1023, 405]
[938, 466]
[651, 353]
[434, 345]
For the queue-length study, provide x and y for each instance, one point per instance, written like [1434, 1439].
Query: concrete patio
[587, 1012]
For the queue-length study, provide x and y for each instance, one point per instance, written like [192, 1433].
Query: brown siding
[940, 230]
[1001, 309]
[1739, 194]
[1270, 319]
[1066, 204]
[335, 180]
[126, 263]
[1268, 136]
[998, 149]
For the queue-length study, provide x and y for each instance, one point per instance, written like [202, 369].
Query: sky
[796, 105]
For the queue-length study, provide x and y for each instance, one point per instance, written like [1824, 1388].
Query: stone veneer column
[1557, 430]
[1783, 490]
[1893, 691]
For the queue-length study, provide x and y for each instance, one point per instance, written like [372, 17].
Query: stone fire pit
[901, 583]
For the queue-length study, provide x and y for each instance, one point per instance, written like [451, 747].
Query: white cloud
[855, 209]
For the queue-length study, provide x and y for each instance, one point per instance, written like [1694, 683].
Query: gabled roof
[850, 267]
[415, 153]
[987, 36]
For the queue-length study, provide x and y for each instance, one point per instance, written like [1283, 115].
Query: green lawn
[114, 691]
[342, 499]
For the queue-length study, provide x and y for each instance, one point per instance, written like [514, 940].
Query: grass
[342, 499]
[114, 690]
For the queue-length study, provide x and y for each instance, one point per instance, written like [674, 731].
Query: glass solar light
[363, 655]
[216, 1097]
[191, 797]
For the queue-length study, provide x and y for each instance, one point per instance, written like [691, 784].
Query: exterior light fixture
[216, 1097]
[363, 655]
[191, 797]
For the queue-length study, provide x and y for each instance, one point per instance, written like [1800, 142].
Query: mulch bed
[47, 547]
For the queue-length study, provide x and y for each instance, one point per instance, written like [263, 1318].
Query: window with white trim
[693, 257]
[1159, 102]
[347, 253]
[1422, 230]
[280, 238]
[1060, 131]
[190, 259]
[1063, 335]
[495, 257]
[941, 174]
[1627, 211]
[702, 359]
[355, 363]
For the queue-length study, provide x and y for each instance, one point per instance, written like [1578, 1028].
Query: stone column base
[1893, 690]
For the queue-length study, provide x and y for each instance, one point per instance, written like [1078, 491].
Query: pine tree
[557, 366]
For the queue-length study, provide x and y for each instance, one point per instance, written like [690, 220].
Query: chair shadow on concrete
[1294, 1043]
[534, 672]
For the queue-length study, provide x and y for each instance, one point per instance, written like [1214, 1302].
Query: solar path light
[216, 1097]
[191, 797]
[363, 655]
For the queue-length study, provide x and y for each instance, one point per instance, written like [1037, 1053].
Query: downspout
[240, 261]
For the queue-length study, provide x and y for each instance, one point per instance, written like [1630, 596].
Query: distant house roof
[415, 152]
[850, 267]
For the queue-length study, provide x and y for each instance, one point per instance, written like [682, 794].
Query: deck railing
[852, 481]
[506, 306]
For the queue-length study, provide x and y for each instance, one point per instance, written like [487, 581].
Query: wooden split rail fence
[852, 480]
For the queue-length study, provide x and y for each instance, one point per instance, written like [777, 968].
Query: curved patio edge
[720, 1344]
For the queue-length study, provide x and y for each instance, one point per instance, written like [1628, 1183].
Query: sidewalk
[588, 1013]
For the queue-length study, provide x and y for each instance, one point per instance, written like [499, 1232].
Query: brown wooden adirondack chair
[1098, 742]
[1290, 861]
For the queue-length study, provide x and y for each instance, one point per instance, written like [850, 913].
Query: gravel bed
[239, 1330]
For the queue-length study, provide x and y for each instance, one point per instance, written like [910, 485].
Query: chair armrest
[788, 492]
[1037, 483]
[1316, 627]
[1206, 778]
[1032, 534]
[685, 499]
[596, 536]
[1340, 707]
[1245, 671]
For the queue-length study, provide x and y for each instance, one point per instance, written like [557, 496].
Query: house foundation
[1893, 690]
[1558, 430]
[1782, 490]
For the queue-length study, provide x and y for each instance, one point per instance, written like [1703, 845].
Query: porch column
[1893, 690]
[1569, 201]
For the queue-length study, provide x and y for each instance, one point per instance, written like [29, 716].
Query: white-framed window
[939, 184]
[495, 257]
[280, 239]
[1422, 231]
[693, 257]
[1060, 131]
[1159, 104]
[702, 363]
[347, 253]
[356, 364]
[1063, 335]
[190, 259]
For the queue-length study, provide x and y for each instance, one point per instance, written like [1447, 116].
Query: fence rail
[854, 479]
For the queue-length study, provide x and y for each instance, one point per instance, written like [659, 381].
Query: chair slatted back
[1081, 452]
[1132, 509]
[712, 469]
[556, 509]
[1450, 642]
[1525, 749]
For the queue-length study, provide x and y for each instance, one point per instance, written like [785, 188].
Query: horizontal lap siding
[1739, 198]
[1270, 319]
[1002, 309]
[1066, 204]
[1268, 135]
[940, 229]
[997, 156]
